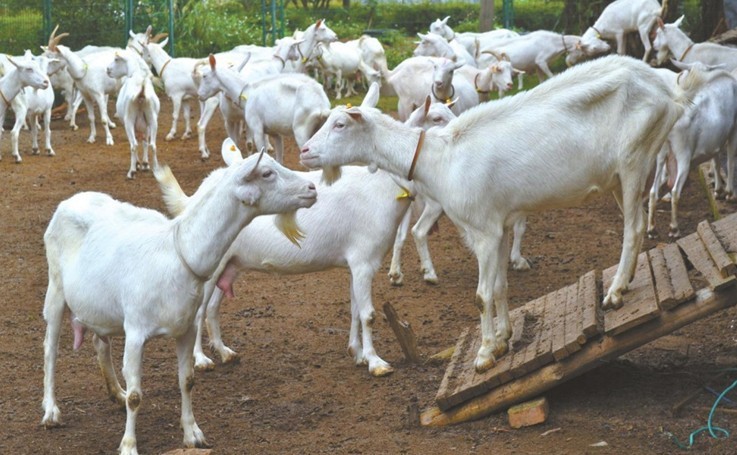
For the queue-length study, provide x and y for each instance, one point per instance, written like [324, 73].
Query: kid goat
[467, 166]
[125, 270]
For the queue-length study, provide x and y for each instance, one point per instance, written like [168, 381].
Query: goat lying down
[125, 270]
[551, 147]
[364, 214]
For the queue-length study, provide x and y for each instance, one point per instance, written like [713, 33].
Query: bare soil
[295, 389]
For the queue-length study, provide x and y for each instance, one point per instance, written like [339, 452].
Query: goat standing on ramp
[551, 147]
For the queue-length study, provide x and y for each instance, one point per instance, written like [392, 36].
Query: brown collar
[163, 67]
[686, 52]
[420, 141]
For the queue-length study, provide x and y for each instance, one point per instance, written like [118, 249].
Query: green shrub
[20, 31]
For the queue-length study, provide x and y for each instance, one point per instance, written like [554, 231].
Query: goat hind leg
[105, 361]
[53, 314]
[362, 309]
[193, 436]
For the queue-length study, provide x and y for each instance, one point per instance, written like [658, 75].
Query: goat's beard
[287, 224]
[330, 174]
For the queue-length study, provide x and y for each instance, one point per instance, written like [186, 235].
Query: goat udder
[79, 331]
[226, 279]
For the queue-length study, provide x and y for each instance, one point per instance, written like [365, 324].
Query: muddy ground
[295, 390]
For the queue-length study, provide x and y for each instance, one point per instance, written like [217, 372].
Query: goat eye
[339, 125]
[267, 173]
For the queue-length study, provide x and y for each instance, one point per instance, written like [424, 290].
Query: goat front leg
[396, 277]
[621, 42]
[101, 101]
[187, 112]
[486, 248]
[193, 436]
[132, 360]
[47, 133]
[89, 104]
[364, 316]
[519, 262]
[14, 133]
[634, 233]
[429, 217]
[176, 102]
[207, 113]
[503, 326]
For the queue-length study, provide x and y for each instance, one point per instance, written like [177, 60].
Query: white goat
[90, 79]
[306, 43]
[281, 105]
[129, 271]
[372, 53]
[472, 41]
[671, 41]
[432, 45]
[707, 128]
[39, 102]
[617, 20]
[560, 144]
[534, 52]
[428, 116]
[342, 64]
[364, 213]
[137, 107]
[26, 73]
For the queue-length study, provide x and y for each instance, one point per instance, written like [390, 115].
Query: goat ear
[678, 21]
[355, 113]
[230, 152]
[428, 102]
[318, 23]
[211, 59]
[163, 43]
[445, 21]
[372, 96]
[661, 24]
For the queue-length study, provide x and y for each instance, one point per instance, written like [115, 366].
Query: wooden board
[700, 258]
[590, 304]
[640, 304]
[574, 337]
[672, 284]
[726, 231]
[557, 318]
[722, 261]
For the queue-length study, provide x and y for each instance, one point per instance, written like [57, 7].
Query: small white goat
[342, 64]
[433, 45]
[129, 271]
[706, 129]
[26, 73]
[551, 138]
[617, 20]
[137, 106]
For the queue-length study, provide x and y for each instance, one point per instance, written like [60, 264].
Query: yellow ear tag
[304, 59]
[244, 97]
[232, 148]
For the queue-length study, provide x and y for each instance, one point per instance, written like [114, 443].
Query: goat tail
[174, 197]
[688, 84]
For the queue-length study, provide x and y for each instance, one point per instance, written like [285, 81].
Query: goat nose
[311, 186]
[304, 149]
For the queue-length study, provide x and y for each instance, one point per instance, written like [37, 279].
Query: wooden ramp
[564, 334]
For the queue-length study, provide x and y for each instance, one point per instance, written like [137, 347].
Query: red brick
[528, 413]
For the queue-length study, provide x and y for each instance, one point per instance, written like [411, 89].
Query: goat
[534, 52]
[38, 102]
[618, 19]
[670, 40]
[472, 41]
[428, 116]
[358, 238]
[343, 62]
[708, 127]
[90, 79]
[283, 104]
[137, 106]
[562, 145]
[25, 73]
[129, 271]
[433, 45]
[318, 32]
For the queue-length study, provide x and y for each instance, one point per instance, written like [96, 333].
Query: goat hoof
[482, 365]
[652, 234]
[674, 233]
[521, 264]
[50, 152]
[34, 151]
[131, 176]
[229, 356]
[396, 279]
[382, 370]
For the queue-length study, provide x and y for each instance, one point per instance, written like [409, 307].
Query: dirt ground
[295, 389]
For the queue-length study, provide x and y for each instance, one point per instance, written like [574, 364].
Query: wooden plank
[722, 261]
[558, 320]
[706, 303]
[404, 333]
[544, 352]
[532, 360]
[505, 363]
[590, 304]
[702, 261]
[454, 367]
[574, 337]
[726, 231]
[682, 288]
[640, 303]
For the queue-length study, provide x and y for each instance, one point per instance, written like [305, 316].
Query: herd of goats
[607, 124]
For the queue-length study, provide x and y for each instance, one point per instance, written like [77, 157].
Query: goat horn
[494, 53]
[505, 57]
[255, 167]
[158, 37]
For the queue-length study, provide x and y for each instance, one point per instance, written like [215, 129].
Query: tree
[486, 17]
